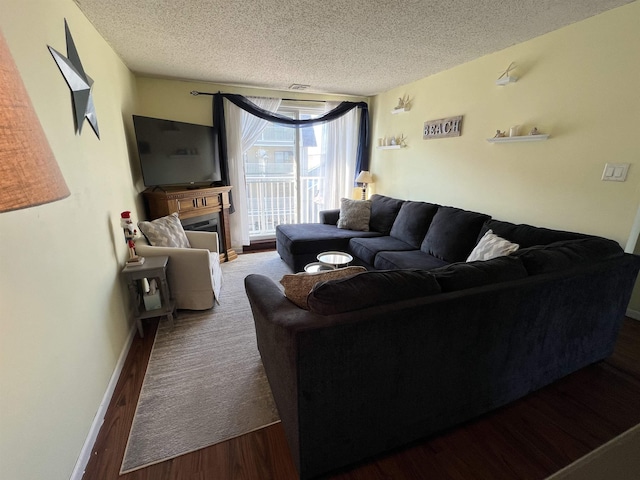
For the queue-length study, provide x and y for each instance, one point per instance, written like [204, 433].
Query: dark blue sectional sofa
[424, 340]
[406, 234]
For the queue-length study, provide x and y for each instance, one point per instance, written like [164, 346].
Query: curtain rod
[195, 93]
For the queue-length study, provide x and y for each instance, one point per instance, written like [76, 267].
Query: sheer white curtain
[243, 129]
[341, 147]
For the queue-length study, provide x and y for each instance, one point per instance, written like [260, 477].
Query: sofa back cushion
[567, 254]
[453, 234]
[370, 289]
[459, 276]
[413, 221]
[384, 211]
[527, 235]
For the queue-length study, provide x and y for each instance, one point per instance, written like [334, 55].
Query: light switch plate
[615, 172]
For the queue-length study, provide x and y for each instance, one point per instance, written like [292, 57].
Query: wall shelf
[506, 80]
[390, 147]
[400, 110]
[519, 138]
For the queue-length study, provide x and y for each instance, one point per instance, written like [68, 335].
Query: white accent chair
[194, 274]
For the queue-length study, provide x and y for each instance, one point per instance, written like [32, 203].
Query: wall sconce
[364, 177]
[29, 173]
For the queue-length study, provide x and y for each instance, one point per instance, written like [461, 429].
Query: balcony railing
[272, 201]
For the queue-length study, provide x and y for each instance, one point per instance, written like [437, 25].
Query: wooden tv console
[189, 203]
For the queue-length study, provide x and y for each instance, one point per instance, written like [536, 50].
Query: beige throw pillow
[354, 214]
[492, 246]
[165, 232]
[297, 286]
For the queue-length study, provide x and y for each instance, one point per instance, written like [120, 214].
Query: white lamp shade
[364, 177]
[29, 173]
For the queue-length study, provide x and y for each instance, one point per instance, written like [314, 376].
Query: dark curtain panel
[220, 149]
[362, 158]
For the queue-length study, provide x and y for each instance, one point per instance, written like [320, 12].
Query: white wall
[63, 321]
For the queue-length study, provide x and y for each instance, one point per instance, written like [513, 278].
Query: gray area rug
[205, 382]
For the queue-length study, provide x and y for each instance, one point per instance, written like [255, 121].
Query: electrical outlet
[615, 172]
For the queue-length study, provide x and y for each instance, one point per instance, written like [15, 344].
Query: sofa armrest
[329, 217]
[270, 305]
[207, 240]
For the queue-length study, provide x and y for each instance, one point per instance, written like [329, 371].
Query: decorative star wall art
[79, 82]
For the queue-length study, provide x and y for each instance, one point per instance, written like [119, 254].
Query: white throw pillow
[165, 232]
[492, 246]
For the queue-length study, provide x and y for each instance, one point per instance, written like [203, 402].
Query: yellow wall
[580, 84]
[63, 322]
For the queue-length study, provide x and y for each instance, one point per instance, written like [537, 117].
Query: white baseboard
[85, 453]
[635, 314]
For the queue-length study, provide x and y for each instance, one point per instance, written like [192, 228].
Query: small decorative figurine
[534, 131]
[130, 234]
[500, 134]
[506, 73]
[403, 102]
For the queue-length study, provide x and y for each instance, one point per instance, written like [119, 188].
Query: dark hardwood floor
[529, 439]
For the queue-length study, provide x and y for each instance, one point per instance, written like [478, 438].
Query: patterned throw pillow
[492, 246]
[297, 286]
[165, 232]
[354, 214]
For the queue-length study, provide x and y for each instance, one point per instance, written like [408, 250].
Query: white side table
[315, 267]
[335, 259]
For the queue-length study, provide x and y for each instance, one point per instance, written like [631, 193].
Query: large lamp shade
[364, 177]
[29, 173]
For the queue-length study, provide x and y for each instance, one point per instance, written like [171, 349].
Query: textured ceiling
[355, 47]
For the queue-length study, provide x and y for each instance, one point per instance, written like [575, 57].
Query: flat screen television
[176, 153]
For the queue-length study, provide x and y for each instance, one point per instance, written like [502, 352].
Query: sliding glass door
[284, 173]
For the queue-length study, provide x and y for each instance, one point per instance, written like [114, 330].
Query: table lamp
[29, 173]
[364, 177]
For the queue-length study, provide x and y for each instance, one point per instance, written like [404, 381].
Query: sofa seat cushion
[459, 276]
[413, 221]
[526, 235]
[567, 254]
[409, 259]
[370, 289]
[453, 234]
[316, 237]
[367, 248]
[384, 211]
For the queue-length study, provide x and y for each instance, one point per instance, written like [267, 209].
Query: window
[282, 173]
